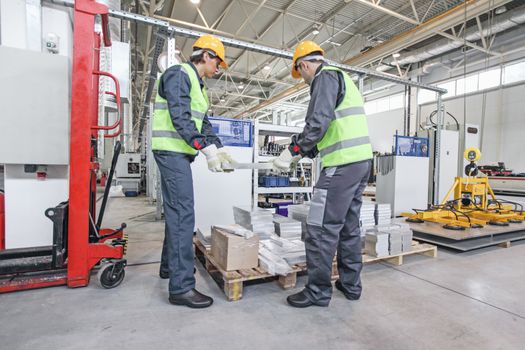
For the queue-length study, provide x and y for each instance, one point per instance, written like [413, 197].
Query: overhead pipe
[501, 23]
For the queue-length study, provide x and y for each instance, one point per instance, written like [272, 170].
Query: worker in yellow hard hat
[336, 129]
[180, 129]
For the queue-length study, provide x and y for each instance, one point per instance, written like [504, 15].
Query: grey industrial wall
[503, 134]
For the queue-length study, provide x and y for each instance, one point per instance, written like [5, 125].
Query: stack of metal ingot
[367, 217]
[299, 212]
[277, 255]
[392, 239]
[259, 221]
[286, 227]
[383, 214]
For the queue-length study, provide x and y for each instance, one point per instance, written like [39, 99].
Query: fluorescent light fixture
[267, 67]
[333, 43]
[315, 31]
[196, 2]
[222, 99]
[396, 55]
[177, 51]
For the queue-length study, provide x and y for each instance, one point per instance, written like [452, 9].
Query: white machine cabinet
[217, 193]
[402, 181]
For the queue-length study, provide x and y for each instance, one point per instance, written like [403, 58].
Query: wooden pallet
[417, 248]
[232, 282]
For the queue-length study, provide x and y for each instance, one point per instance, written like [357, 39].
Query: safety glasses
[214, 56]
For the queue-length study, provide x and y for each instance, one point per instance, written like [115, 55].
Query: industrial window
[396, 101]
[479, 81]
[450, 86]
[425, 96]
[384, 104]
[467, 85]
[489, 79]
[514, 73]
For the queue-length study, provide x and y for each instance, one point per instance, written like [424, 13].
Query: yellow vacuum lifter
[474, 204]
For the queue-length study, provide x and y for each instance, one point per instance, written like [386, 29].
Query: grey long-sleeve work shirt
[327, 91]
[174, 87]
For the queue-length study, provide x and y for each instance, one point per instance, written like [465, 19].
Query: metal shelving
[263, 129]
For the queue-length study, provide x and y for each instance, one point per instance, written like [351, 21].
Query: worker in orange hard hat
[336, 129]
[180, 129]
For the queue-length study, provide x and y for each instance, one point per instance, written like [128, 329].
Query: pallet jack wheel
[416, 221]
[498, 223]
[476, 226]
[111, 274]
[453, 227]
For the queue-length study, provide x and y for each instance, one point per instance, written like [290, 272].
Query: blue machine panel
[233, 132]
[411, 146]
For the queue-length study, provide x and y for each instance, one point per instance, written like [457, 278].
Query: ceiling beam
[448, 19]
[416, 22]
[250, 17]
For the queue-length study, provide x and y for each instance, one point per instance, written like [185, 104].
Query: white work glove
[284, 161]
[214, 163]
[227, 161]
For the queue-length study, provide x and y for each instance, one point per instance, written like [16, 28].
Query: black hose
[435, 112]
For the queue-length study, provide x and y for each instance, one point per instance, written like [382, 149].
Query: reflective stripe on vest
[346, 140]
[194, 114]
[164, 136]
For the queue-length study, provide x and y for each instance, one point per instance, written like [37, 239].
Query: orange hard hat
[209, 42]
[304, 49]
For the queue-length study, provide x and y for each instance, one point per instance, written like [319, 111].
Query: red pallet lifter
[79, 244]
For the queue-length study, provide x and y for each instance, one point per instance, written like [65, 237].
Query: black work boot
[348, 296]
[191, 298]
[300, 300]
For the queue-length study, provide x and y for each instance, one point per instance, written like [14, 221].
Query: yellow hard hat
[303, 49]
[212, 43]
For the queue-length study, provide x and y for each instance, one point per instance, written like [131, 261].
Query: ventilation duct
[500, 23]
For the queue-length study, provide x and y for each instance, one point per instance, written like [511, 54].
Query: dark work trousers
[177, 194]
[333, 225]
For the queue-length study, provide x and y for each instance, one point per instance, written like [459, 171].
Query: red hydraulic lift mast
[82, 255]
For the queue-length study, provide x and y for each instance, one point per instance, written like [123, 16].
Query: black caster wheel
[111, 274]
[476, 226]
[514, 221]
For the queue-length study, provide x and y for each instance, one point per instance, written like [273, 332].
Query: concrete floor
[462, 301]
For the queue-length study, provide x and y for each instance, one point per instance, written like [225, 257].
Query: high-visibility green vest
[346, 140]
[164, 136]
